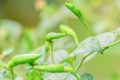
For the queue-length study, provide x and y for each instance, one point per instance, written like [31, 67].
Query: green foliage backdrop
[24, 24]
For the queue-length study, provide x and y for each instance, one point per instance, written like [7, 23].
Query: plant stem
[101, 49]
[109, 45]
[12, 73]
[77, 44]
[51, 51]
[79, 66]
[91, 31]
[88, 27]
[73, 73]
[77, 77]
[76, 40]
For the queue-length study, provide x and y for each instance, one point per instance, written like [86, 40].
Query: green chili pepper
[52, 35]
[53, 68]
[23, 59]
[69, 31]
[49, 45]
[78, 13]
[56, 68]
[74, 10]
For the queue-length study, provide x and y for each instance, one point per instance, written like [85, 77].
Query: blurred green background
[24, 24]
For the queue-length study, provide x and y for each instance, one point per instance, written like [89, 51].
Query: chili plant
[85, 50]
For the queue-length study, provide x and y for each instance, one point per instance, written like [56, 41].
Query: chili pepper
[23, 59]
[52, 35]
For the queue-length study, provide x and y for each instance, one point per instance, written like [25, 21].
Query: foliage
[46, 64]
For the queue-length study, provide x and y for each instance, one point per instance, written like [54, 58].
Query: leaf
[18, 78]
[91, 44]
[117, 32]
[63, 43]
[90, 57]
[85, 47]
[59, 55]
[106, 38]
[34, 75]
[69, 62]
[4, 73]
[7, 51]
[59, 76]
[87, 76]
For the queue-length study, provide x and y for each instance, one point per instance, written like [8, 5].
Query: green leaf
[34, 75]
[59, 55]
[85, 47]
[19, 78]
[91, 44]
[106, 38]
[69, 61]
[7, 51]
[87, 76]
[117, 32]
[4, 75]
[59, 76]
[88, 58]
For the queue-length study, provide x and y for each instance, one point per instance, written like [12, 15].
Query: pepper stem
[12, 73]
[51, 51]
[88, 27]
[76, 40]
[77, 77]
